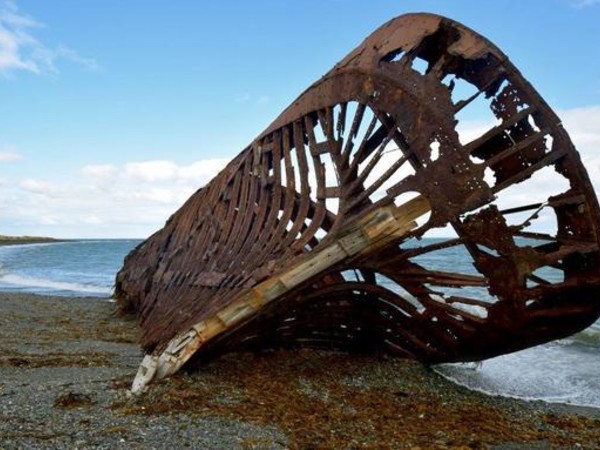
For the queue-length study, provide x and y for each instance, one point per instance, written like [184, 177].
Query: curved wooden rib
[308, 236]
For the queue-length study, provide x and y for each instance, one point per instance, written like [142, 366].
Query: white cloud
[155, 195]
[48, 220]
[202, 170]
[162, 171]
[92, 219]
[99, 170]
[21, 50]
[152, 170]
[583, 125]
[579, 4]
[39, 187]
[104, 200]
[10, 156]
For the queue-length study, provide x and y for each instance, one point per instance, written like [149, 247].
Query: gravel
[66, 365]
[76, 349]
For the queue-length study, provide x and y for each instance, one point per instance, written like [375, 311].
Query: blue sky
[113, 112]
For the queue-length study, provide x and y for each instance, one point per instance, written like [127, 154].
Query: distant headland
[13, 240]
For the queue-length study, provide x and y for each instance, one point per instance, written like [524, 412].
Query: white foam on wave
[589, 337]
[51, 285]
[552, 373]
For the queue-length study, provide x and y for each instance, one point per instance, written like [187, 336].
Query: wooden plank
[235, 313]
[353, 242]
[319, 148]
[333, 192]
[313, 266]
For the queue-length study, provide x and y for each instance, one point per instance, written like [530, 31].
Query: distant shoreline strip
[28, 240]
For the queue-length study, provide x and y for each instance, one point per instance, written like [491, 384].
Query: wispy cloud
[41, 187]
[242, 98]
[89, 64]
[20, 50]
[128, 200]
[247, 98]
[9, 156]
[579, 4]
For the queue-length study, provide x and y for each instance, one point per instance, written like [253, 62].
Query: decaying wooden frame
[311, 236]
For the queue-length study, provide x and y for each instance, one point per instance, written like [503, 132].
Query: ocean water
[70, 268]
[564, 371]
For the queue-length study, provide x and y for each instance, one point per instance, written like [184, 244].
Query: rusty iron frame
[335, 170]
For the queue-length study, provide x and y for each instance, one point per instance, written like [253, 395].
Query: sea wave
[551, 372]
[569, 398]
[588, 337]
[19, 282]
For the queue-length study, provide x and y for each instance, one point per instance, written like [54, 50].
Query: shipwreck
[313, 235]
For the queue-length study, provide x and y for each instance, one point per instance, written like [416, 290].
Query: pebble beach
[66, 365]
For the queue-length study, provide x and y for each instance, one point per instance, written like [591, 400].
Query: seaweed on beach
[332, 400]
[73, 400]
[290, 399]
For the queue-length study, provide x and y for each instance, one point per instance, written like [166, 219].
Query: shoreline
[584, 409]
[25, 240]
[66, 364]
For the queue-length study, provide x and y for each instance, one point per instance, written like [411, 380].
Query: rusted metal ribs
[311, 236]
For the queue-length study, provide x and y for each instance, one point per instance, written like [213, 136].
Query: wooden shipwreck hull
[309, 237]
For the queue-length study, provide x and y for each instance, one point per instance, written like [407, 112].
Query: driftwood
[309, 237]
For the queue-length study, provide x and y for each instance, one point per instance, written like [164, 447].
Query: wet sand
[66, 365]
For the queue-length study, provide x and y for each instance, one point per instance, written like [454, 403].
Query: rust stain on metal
[311, 236]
